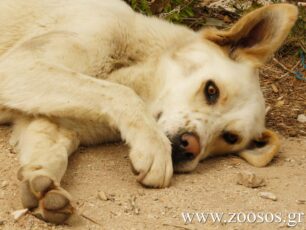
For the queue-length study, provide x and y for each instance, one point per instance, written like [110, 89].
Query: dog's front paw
[45, 200]
[151, 160]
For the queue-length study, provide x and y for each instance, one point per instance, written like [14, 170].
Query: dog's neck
[155, 37]
[142, 77]
[154, 40]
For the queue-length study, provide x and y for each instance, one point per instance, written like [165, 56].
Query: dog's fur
[92, 71]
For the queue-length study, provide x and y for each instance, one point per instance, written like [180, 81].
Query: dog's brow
[189, 66]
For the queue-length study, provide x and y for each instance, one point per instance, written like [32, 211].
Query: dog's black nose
[185, 147]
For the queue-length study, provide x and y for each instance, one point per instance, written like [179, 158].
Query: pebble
[274, 88]
[283, 225]
[19, 213]
[280, 103]
[301, 201]
[137, 211]
[102, 196]
[290, 160]
[250, 180]
[268, 195]
[141, 193]
[268, 109]
[1, 222]
[4, 184]
[301, 118]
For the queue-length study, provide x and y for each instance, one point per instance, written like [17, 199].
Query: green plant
[179, 10]
[141, 6]
[173, 10]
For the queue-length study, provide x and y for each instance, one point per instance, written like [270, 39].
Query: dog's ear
[257, 35]
[260, 152]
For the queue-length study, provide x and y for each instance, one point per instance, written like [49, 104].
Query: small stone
[1, 222]
[301, 118]
[268, 195]
[102, 196]
[282, 225]
[280, 98]
[4, 184]
[137, 211]
[292, 133]
[133, 201]
[280, 103]
[19, 213]
[290, 160]
[250, 180]
[141, 193]
[274, 88]
[268, 109]
[301, 201]
[227, 19]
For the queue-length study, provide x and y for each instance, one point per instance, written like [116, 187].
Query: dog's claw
[141, 175]
[153, 164]
[45, 200]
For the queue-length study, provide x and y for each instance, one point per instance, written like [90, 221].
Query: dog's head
[211, 102]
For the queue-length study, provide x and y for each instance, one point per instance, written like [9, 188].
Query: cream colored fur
[92, 71]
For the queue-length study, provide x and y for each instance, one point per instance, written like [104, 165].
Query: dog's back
[15, 18]
[20, 18]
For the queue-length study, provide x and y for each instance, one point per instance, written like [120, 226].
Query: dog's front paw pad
[56, 206]
[55, 200]
[46, 201]
[28, 199]
[40, 184]
[53, 217]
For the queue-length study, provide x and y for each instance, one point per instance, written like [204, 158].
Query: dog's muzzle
[185, 147]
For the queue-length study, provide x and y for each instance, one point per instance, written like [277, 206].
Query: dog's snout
[185, 147]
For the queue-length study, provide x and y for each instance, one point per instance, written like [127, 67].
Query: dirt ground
[285, 95]
[211, 188]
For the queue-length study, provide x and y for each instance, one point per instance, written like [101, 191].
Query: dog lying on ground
[93, 71]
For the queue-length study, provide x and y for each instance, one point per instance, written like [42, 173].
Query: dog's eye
[211, 92]
[230, 138]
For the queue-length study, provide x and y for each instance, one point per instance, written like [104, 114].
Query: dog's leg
[43, 151]
[41, 88]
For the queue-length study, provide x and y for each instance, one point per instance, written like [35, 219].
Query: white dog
[92, 71]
